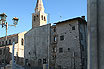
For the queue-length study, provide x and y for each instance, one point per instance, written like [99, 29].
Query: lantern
[3, 17]
[15, 21]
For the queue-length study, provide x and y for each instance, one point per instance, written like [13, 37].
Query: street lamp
[15, 21]
[5, 24]
[3, 17]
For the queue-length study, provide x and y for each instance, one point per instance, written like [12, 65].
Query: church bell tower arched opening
[39, 18]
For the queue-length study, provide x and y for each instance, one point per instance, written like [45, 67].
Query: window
[42, 17]
[10, 42]
[34, 18]
[73, 28]
[44, 61]
[60, 50]
[37, 15]
[26, 61]
[2, 42]
[22, 41]
[0, 52]
[53, 57]
[54, 38]
[29, 53]
[62, 37]
[54, 50]
[6, 43]
[68, 49]
[54, 29]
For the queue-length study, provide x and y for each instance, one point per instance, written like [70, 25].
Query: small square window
[60, 50]
[68, 49]
[62, 37]
[73, 28]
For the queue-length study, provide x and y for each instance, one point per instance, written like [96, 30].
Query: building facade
[71, 48]
[62, 45]
[37, 41]
[18, 49]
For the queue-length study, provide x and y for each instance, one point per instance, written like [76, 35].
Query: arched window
[44, 18]
[22, 41]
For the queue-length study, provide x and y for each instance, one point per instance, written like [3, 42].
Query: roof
[77, 18]
[9, 36]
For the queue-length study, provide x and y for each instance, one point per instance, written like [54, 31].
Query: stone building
[71, 47]
[37, 41]
[64, 43]
[18, 50]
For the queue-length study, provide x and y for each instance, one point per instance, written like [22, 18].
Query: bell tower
[39, 18]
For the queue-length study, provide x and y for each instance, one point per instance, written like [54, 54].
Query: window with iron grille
[73, 28]
[60, 50]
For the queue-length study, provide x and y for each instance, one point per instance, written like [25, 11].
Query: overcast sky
[23, 9]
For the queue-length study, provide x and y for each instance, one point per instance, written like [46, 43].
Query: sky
[23, 9]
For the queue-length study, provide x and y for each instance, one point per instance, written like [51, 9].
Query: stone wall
[37, 41]
[68, 40]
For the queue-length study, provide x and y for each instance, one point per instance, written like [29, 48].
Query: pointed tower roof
[39, 6]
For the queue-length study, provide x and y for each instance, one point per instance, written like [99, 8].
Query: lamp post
[5, 24]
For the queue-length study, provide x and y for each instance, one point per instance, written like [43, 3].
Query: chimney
[83, 17]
